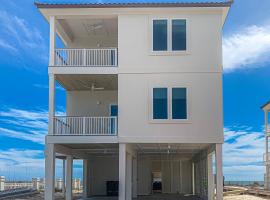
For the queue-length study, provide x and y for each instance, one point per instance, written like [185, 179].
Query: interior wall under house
[176, 174]
[201, 175]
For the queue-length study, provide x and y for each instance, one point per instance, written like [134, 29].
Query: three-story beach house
[143, 85]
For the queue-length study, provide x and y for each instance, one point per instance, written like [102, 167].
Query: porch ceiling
[167, 148]
[79, 31]
[187, 150]
[84, 82]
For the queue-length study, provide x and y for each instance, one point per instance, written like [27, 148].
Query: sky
[24, 40]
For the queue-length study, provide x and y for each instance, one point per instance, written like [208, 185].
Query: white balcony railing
[86, 57]
[65, 125]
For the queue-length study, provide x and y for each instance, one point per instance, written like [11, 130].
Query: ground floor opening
[139, 171]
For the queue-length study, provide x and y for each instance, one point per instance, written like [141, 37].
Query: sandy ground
[243, 197]
[58, 197]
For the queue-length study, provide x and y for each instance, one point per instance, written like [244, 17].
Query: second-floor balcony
[90, 57]
[76, 126]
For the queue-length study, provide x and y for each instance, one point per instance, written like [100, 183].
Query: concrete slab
[152, 197]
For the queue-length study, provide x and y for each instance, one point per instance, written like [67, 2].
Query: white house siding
[204, 43]
[88, 103]
[204, 101]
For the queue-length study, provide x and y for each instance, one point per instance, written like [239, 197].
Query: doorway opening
[156, 182]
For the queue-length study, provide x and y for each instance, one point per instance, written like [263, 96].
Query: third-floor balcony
[88, 43]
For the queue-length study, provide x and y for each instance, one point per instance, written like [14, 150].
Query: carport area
[125, 171]
[170, 171]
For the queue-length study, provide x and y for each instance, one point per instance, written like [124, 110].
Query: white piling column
[210, 176]
[129, 177]
[49, 171]
[193, 178]
[86, 171]
[134, 177]
[51, 103]
[219, 175]
[69, 172]
[122, 171]
[64, 177]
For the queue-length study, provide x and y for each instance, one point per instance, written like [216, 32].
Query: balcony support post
[52, 40]
[51, 103]
[266, 150]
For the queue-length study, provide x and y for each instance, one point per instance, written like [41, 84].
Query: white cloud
[247, 48]
[6, 45]
[24, 164]
[17, 33]
[243, 154]
[28, 125]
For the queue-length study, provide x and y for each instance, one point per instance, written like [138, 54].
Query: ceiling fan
[92, 86]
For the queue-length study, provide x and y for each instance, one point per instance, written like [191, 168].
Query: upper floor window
[179, 41]
[169, 35]
[170, 103]
[160, 33]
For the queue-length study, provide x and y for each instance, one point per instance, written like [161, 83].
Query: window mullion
[169, 36]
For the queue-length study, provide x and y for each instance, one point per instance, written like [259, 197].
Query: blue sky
[24, 89]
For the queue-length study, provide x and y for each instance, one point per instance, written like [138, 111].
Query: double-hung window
[169, 103]
[169, 35]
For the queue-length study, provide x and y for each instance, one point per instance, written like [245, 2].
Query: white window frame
[169, 50]
[169, 106]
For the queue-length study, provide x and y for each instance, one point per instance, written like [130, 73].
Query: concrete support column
[69, 178]
[219, 175]
[49, 171]
[64, 177]
[122, 171]
[86, 180]
[129, 177]
[193, 178]
[134, 177]
[52, 40]
[51, 103]
[210, 178]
